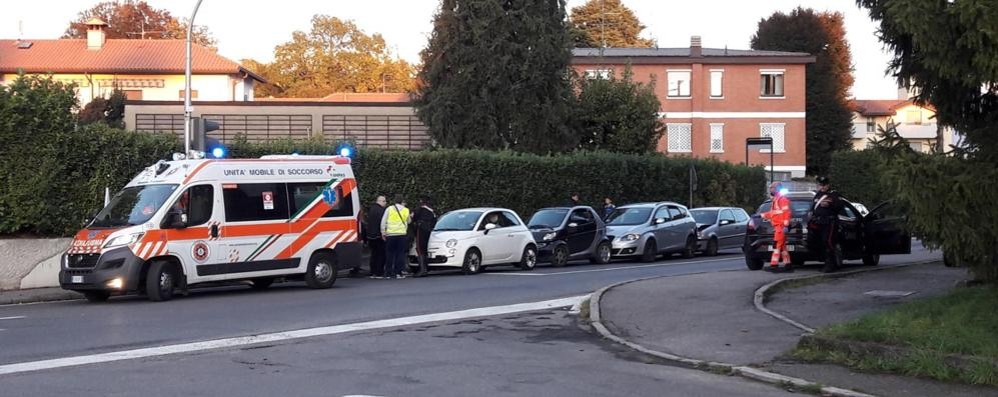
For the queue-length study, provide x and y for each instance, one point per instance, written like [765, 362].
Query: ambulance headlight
[124, 240]
[451, 243]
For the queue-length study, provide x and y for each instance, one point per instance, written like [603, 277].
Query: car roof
[578, 207]
[715, 208]
[483, 209]
[654, 204]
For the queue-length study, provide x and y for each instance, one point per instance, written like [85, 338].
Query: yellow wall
[208, 87]
[914, 122]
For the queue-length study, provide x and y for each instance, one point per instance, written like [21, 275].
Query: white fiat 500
[474, 238]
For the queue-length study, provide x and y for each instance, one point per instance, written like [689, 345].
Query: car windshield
[458, 221]
[798, 207]
[704, 217]
[546, 219]
[133, 206]
[628, 216]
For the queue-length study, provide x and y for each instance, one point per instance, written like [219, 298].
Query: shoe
[373, 277]
[401, 277]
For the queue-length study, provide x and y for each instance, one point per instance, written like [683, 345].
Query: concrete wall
[30, 263]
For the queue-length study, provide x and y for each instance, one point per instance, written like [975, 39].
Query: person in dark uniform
[374, 237]
[573, 200]
[424, 219]
[825, 209]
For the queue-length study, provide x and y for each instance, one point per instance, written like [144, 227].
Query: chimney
[95, 34]
[696, 51]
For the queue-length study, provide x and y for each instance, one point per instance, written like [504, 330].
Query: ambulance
[203, 221]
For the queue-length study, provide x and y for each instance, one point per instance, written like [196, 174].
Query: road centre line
[12, 318]
[241, 341]
[611, 268]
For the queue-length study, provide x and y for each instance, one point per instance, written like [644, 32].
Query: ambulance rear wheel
[321, 273]
[96, 296]
[160, 281]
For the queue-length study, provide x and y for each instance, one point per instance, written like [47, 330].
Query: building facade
[142, 69]
[714, 99]
[916, 124]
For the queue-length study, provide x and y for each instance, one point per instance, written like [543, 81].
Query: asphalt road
[514, 354]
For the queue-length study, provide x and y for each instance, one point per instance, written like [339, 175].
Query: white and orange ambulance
[186, 222]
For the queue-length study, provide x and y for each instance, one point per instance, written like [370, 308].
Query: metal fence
[386, 132]
[260, 128]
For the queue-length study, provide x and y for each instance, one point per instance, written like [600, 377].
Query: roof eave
[659, 60]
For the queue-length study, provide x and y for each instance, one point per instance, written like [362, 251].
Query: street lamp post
[188, 109]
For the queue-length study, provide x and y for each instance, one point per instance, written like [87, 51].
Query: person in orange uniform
[779, 216]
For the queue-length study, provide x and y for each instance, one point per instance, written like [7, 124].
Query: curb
[755, 374]
[763, 292]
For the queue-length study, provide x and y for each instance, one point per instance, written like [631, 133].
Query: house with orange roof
[916, 124]
[143, 69]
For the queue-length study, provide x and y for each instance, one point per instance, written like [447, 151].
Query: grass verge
[951, 338]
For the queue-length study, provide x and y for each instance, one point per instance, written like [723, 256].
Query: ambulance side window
[255, 201]
[302, 194]
[201, 202]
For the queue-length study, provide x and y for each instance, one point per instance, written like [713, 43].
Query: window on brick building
[716, 83]
[775, 131]
[679, 83]
[602, 74]
[771, 83]
[680, 138]
[717, 138]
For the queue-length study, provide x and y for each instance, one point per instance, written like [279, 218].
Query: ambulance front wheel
[161, 281]
[321, 272]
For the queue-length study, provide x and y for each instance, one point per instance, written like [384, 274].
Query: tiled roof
[877, 107]
[680, 52]
[351, 97]
[116, 56]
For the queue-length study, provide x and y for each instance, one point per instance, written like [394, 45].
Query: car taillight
[751, 225]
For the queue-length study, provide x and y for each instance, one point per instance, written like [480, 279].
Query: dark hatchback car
[564, 234]
[859, 237]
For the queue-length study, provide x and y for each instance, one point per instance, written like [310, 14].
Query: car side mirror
[489, 226]
[176, 220]
[726, 222]
[573, 224]
[659, 221]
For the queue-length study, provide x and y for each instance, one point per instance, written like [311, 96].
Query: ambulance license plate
[77, 280]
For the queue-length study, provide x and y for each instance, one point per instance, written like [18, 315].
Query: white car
[473, 238]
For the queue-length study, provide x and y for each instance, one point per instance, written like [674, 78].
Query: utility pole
[188, 109]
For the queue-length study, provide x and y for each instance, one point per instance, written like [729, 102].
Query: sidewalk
[712, 317]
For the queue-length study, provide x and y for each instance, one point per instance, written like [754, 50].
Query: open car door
[884, 231]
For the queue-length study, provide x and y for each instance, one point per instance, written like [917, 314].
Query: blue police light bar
[345, 149]
[218, 152]
[784, 191]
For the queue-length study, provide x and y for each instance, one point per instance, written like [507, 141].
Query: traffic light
[202, 142]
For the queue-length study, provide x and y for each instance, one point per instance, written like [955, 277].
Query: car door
[741, 226]
[661, 230]
[678, 229]
[513, 233]
[727, 227]
[491, 242]
[884, 231]
[850, 231]
[581, 230]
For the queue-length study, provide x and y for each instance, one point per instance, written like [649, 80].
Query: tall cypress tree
[496, 76]
[829, 117]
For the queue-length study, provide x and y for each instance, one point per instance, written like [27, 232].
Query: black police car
[569, 233]
[858, 237]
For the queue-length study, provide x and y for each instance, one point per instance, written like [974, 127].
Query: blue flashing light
[784, 191]
[218, 152]
[345, 149]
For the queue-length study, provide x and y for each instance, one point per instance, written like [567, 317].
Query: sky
[251, 29]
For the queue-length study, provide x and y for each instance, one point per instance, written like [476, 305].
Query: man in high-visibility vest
[394, 229]
[779, 216]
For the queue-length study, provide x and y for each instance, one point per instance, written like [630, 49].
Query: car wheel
[472, 262]
[691, 247]
[712, 247]
[560, 256]
[602, 254]
[754, 263]
[529, 258]
[833, 260]
[321, 271]
[161, 280]
[262, 283]
[650, 252]
[96, 296]
[871, 260]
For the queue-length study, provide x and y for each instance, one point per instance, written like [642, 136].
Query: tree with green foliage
[947, 53]
[617, 114]
[110, 111]
[829, 117]
[607, 23]
[496, 76]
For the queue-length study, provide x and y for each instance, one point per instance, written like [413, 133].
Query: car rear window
[799, 207]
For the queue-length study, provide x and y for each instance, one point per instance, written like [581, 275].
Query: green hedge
[523, 182]
[859, 176]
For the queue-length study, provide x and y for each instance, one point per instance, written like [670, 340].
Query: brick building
[713, 99]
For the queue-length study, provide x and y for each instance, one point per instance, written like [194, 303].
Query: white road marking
[12, 318]
[283, 336]
[610, 269]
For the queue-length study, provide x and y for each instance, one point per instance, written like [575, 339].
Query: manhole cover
[877, 293]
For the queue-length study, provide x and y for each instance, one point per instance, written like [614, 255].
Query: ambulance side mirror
[175, 220]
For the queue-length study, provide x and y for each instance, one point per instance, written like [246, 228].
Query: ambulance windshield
[133, 206]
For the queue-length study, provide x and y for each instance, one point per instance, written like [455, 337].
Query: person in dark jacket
[825, 211]
[424, 219]
[374, 238]
[608, 207]
[573, 200]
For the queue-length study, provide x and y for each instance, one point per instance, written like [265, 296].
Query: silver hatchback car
[720, 228]
[649, 229]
